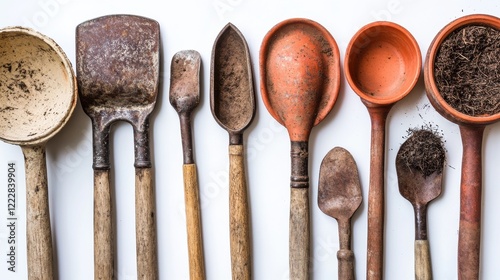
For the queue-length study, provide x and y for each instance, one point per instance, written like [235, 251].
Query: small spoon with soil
[339, 196]
[419, 166]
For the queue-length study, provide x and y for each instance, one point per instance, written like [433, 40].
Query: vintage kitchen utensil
[471, 131]
[339, 196]
[37, 96]
[184, 97]
[232, 101]
[300, 80]
[118, 72]
[382, 65]
[419, 166]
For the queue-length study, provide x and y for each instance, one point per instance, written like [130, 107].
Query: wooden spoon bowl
[35, 80]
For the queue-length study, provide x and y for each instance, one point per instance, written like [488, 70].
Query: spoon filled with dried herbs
[419, 166]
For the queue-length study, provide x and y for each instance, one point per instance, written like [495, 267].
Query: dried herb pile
[423, 151]
[467, 70]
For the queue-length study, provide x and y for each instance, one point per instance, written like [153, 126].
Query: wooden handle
[38, 232]
[469, 234]
[376, 197]
[145, 215]
[238, 215]
[345, 255]
[103, 227]
[299, 234]
[193, 222]
[423, 269]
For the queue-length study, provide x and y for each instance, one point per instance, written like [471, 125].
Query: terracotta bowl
[382, 63]
[433, 94]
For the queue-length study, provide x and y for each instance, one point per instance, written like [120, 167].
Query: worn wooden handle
[299, 234]
[346, 264]
[38, 232]
[145, 215]
[103, 227]
[469, 234]
[376, 194]
[238, 215]
[193, 222]
[423, 269]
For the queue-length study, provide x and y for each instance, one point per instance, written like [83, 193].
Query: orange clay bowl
[433, 94]
[300, 75]
[382, 63]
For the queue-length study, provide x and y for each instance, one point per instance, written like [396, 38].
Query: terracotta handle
[376, 199]
[147, 263]
[423, 269]
[38, 232]
[103, 227]
[299, 234]
[238, 215]
[469, 234]
[345, 255]
[193, 222]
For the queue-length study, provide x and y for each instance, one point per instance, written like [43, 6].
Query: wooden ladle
[471, 131]
[339, 196]
[382, 65]
[38, 93]
[300, 79]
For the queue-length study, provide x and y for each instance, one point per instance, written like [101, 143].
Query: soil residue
[467, 70]
[423, 152]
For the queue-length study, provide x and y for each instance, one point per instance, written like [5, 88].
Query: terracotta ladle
[382, 65]
[38, 93]
[300, 79]
[471, 131]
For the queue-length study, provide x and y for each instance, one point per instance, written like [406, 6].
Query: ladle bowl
[382, 65]
[38, 93]
[471, 131]
[37, 87]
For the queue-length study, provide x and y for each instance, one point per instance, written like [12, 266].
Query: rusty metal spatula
[117, 63]
[339, 196]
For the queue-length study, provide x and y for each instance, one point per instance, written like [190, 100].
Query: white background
[194, 25]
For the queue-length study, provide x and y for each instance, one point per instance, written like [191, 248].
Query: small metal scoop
[232, 100]
[339, 196]
[118, 73]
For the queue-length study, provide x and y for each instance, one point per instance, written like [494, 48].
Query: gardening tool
[232, 101]
[471, 131]
[118, 68]
[339, 196]
[300, 80]
[37, 96]
[184, 97]
[382, 65]
[420, 188]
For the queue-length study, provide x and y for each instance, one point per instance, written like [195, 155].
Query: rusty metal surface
[185, 94]
[232, 97]
[117, 63]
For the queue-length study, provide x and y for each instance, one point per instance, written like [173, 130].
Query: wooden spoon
[419, 165]
[300, 80]
[382, 65]
[117, 65]
[185, 97]
[37, 96]
[232, 101]
[471, 131]
[339, 196]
